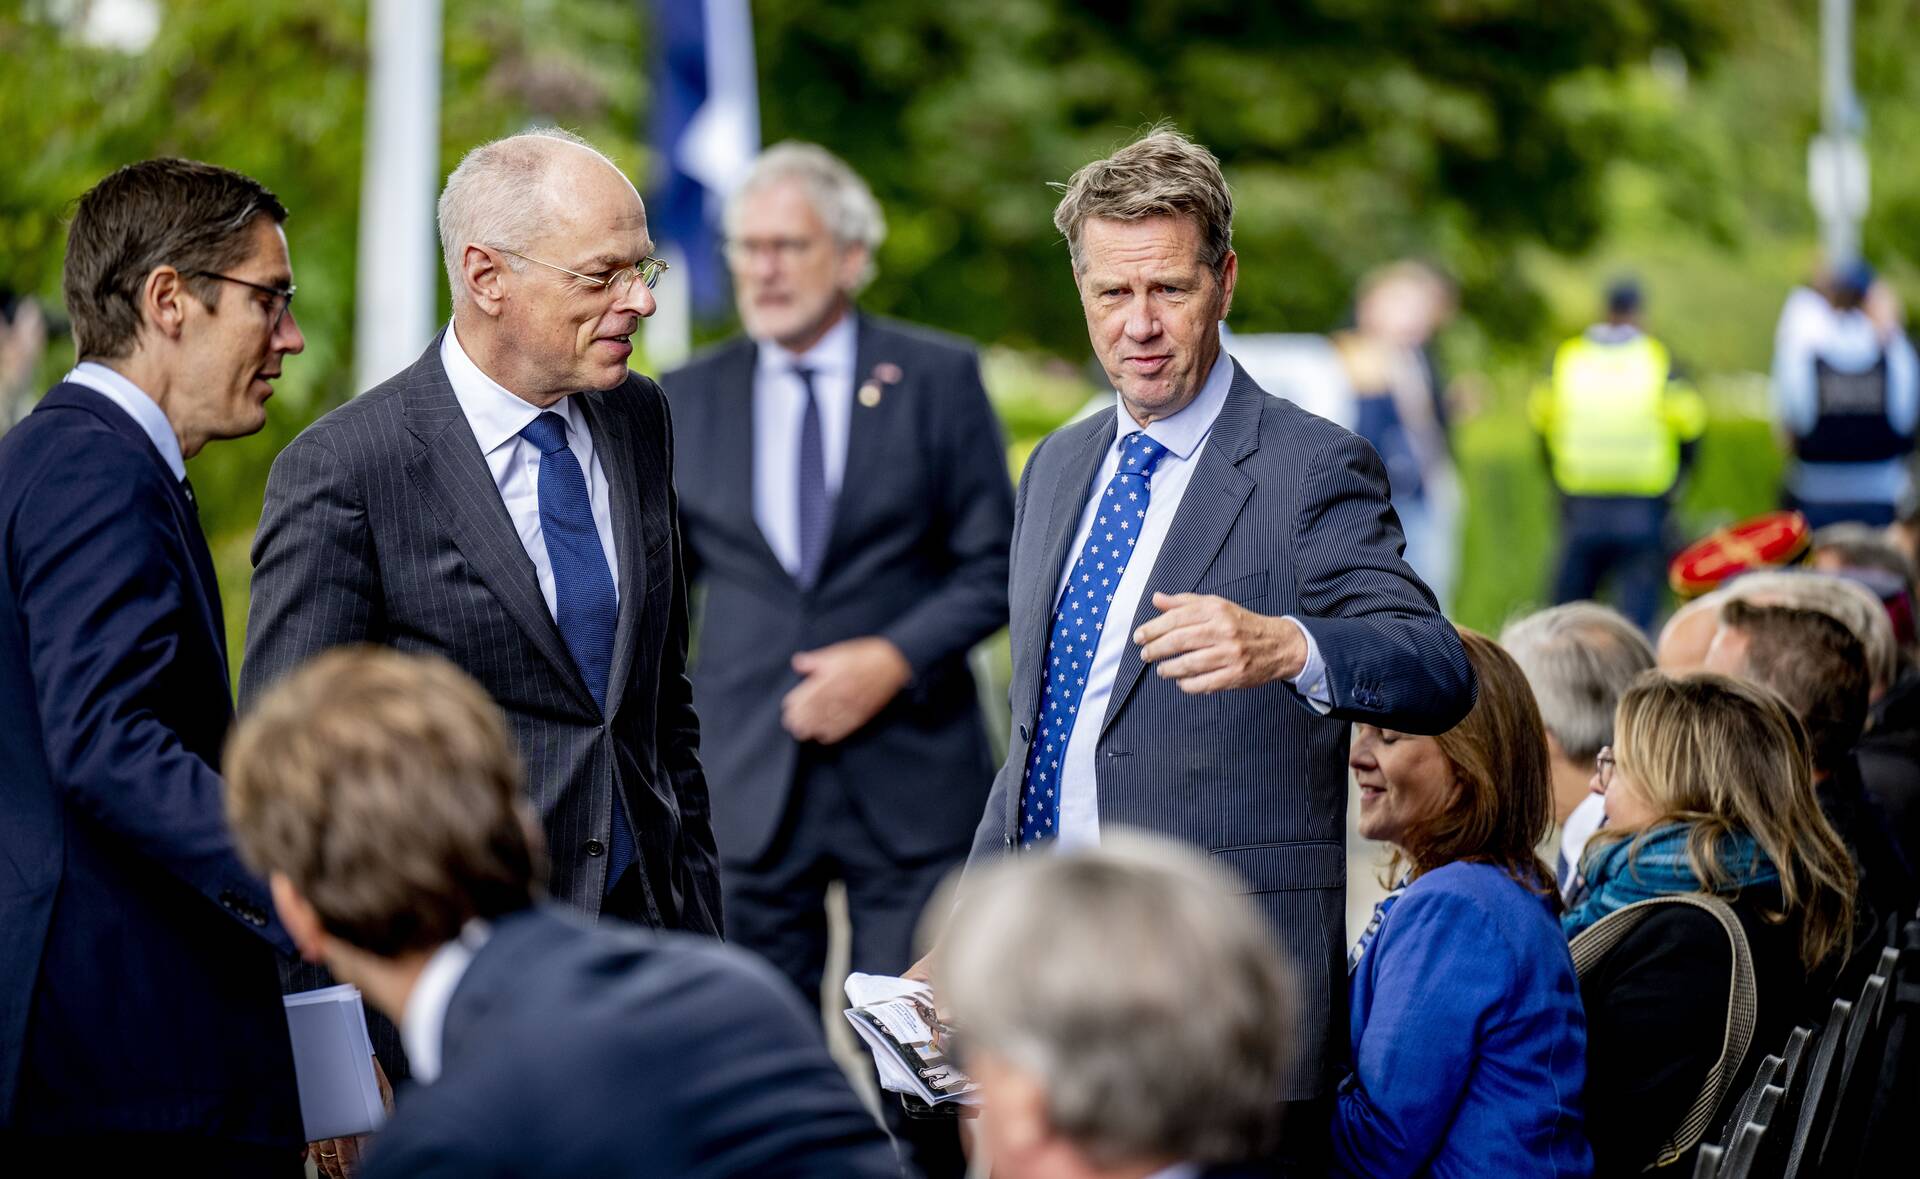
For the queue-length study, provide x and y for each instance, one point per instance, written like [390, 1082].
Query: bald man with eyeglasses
[507, 502]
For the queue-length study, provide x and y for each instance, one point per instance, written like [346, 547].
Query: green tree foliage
[1354, 131]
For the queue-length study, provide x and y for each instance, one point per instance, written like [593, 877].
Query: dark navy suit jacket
[620, 1051]
[1286, 513]
[138, 990]
[917, 554]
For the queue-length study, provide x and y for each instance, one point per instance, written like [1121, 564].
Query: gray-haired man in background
[1125, 1013]
[1578, 659]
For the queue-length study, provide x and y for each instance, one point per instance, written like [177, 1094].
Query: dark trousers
[1621, 538]
[776, 907]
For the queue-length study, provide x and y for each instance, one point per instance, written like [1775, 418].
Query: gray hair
[841, 200]
[1861, 546]
[1162, 174]
[1578, 658]
[1131, 982]
[498, 197]
[1852, 606]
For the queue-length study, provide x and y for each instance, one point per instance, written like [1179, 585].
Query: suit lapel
[867, 430]
[1212, 502]
[452, 473]
[1066, 499]
[733, 432]
[186, 516]
[614, 447]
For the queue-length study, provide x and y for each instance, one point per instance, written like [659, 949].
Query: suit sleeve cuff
[1311, 683]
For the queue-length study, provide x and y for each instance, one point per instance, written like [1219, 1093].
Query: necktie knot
[548, 432]
[1139, 454]
[805, 376]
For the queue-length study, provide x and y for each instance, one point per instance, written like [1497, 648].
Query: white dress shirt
[779, 401]
[144, 410]
[1184, 434]
[423, 1024]
[497, 417]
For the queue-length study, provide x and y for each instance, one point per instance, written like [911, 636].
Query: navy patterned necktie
[1078, 622]
[816, 506]
[584, 602]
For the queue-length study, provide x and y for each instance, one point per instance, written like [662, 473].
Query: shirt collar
[833, 352]
[134, 401]
[495, 413]
[423, 1023]
[1612, 333]
[1184, 431]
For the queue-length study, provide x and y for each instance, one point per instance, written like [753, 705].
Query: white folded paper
[895, 1018]
[333, 1062]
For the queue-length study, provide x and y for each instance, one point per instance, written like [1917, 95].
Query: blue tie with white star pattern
[1078, 622]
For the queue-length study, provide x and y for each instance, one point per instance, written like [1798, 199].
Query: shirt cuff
[1311, 683]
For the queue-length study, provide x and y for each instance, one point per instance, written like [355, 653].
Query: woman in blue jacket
[1469, 1042]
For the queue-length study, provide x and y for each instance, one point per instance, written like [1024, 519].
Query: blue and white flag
[706, 131]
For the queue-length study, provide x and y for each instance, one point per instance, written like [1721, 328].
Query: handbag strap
[1594, 943]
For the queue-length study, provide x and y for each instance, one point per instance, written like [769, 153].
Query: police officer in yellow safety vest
[1619, 427]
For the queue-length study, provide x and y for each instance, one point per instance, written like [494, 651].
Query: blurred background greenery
[1530, 150]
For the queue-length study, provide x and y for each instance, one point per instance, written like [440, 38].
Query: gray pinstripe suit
[383, 525]
[1286, 513]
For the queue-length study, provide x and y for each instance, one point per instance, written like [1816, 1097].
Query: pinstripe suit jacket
[1286, 513]
[383, 525]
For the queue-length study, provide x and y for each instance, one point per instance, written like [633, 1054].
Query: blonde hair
[1723, 756]
[1162, 174]
[386, 789]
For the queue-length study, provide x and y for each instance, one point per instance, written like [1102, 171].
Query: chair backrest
[1706, 1163]
[1749, 1103]
[1747, 1143]
[1822, 1088]
[1859, 1076]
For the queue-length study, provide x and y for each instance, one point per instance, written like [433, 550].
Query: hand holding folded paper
[911, 1048]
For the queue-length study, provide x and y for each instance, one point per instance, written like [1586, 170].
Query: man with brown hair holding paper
[380, 795]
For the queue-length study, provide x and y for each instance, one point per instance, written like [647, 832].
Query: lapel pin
[870, 394]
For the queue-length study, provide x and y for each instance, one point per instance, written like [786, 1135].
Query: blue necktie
[1077, 624]
[584, 602]
[816, 506]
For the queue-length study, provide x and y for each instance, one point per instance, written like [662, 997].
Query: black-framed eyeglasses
[1603, 763]
[647, 271]
[278, 298]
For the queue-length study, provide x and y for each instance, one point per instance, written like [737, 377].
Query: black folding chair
[1821, 1091]
[1751, 1140]
[1795, 1067]
[1749, 1103]
[1886, 1141]
[1859, 1071]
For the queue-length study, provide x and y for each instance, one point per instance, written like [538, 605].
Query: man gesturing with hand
[1241, 548]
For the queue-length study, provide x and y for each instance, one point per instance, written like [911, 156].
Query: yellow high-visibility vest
[1614, 419]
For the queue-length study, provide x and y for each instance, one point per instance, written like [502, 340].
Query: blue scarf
[1655, 865]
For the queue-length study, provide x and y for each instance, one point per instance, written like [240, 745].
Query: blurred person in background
[1865, 555]
[1399, 407]
[1578, 658]
[1620, 426]
[1707, 790]
[1125, 1012]
[1483, 1073]
[381, 795]
[23, 341]
[1819, 668]
[1846, 395]
[140, 1015]
[845, 506]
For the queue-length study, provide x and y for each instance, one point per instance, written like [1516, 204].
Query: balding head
[1687, 635]
[507, 194]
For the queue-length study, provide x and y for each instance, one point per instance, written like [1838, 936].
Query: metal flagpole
[1837, 177]
[396, 292]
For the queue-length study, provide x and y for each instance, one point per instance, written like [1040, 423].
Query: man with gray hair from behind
[1126, 1014]
[1578, 658]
